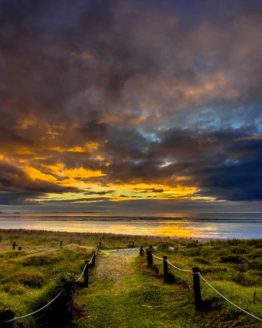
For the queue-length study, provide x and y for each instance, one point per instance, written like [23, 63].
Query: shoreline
[115, 235]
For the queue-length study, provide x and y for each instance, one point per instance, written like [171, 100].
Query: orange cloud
[82, 173]
[35, 174]
[87, 147]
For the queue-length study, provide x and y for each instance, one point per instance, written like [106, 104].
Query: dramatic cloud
[130, 102]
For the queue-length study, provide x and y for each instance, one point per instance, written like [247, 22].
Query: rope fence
[157, 257]
[197, 276]
[226, 299]
[82, 273]
[179, 269]
[90, 263]
[196, 281]
[34, 312]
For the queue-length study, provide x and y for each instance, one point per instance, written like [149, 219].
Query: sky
[131, 106]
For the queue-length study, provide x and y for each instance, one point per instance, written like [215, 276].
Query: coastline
[128, 236]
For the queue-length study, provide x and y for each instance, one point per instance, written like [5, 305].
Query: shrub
[60, 312]
[239, 250]
[245, 280]
[40, 260]
[255, 265]
[201, 260]
[232, 259]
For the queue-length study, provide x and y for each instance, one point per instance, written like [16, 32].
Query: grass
[123, 292]
[238, 277]
[129, 299]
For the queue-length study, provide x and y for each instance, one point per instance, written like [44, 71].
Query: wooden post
[69, 291]
[141, 251]
[165, 267]
[14, 245]
[196, 288]
[93, 262]
[86, 274]
[149, 258]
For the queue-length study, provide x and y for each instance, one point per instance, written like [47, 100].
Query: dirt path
[115, 267]
[124, 251]
[122, 295]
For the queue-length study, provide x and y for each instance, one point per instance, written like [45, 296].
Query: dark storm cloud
[224, 164]
[16, 198]
[16, 186]
[165, 89]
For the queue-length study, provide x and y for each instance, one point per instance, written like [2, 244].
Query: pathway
[121, 296]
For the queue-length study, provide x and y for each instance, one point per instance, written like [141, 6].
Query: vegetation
[123, 292]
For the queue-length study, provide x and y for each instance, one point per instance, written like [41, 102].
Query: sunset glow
[134, 104]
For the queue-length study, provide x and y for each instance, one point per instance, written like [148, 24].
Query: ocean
[205, 225]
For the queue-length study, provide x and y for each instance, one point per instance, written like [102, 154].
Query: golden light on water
[78, 222]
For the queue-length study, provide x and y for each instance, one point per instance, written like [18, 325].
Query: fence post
[69, 291]
[196, 288]
[149, 258]
[141, 251]
[86, 274]
[93, 263]
[165, 267]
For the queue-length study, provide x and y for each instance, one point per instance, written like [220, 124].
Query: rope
[177, 268]
[94, 254]
[212, 287]
[50, 302]
[172, 265]
[82, 273]
[34, 312]
[159, 258]
[226, 299]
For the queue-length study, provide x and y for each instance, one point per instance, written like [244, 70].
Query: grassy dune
[123, 292]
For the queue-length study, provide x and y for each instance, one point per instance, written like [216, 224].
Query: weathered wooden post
[14, 245]
[165, 268]
[141, 251]
[149, 258]
[69, 291]
[86, 274]
[61, 243]
[93, 262]
[196, 288]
